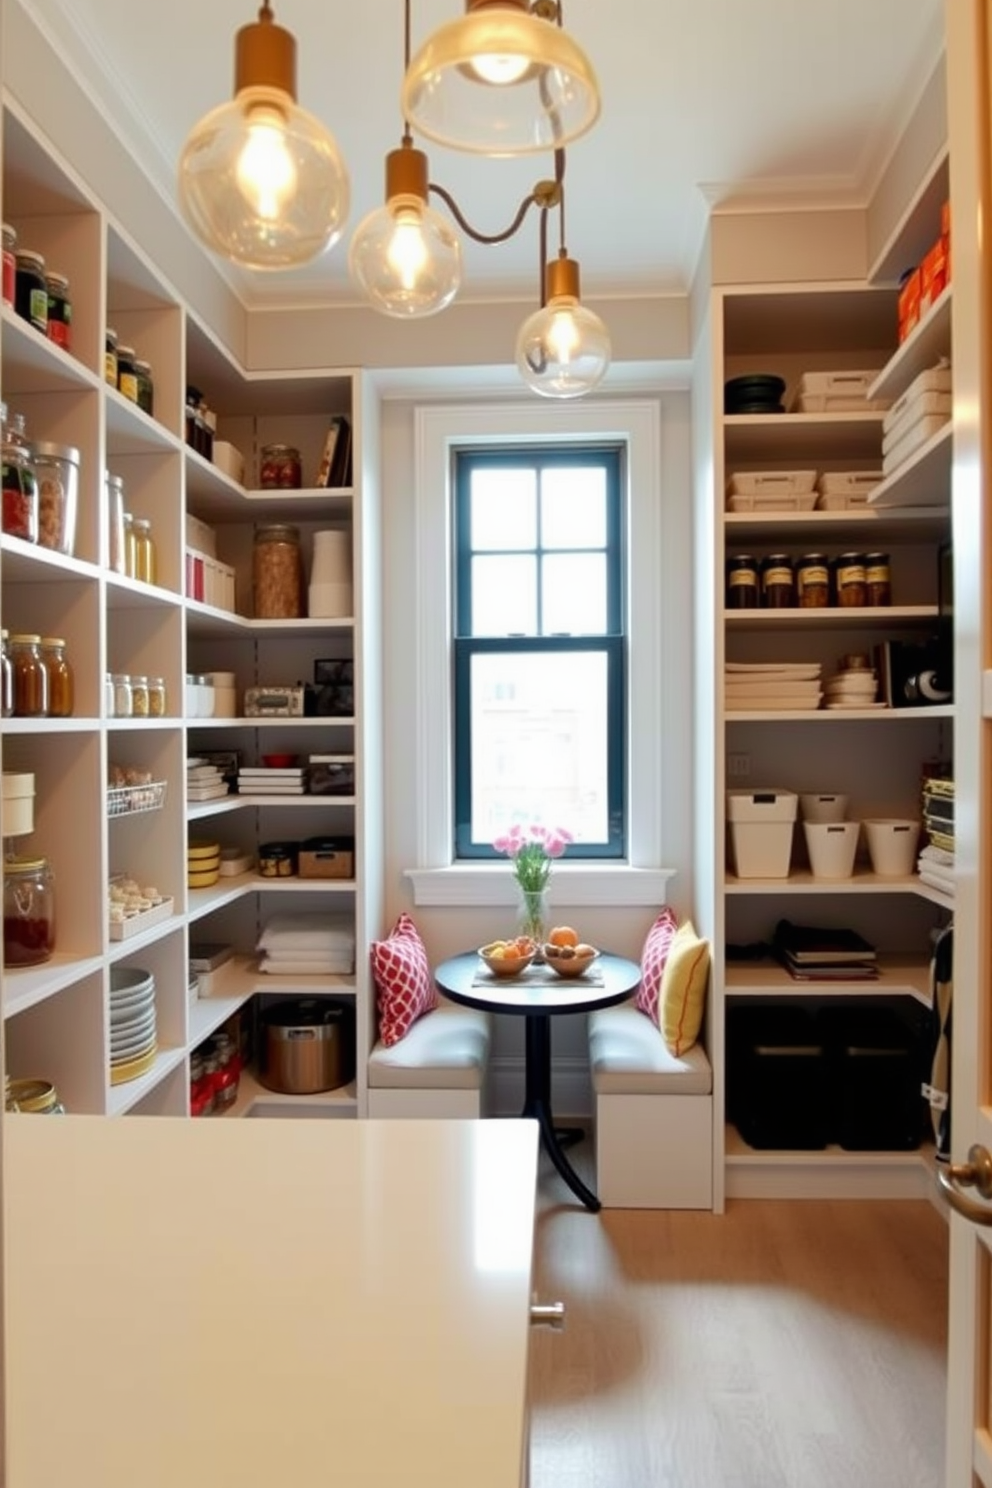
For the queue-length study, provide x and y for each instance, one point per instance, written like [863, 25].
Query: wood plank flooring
[779, 1345]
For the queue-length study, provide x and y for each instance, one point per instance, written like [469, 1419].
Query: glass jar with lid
[277, 573]
[778, 588]
[33, 1097]
[813, 581]
[9, 263]
[117, 549]
[850, 580]
[280, 468]
[30, 289]
[28, 911]
[139, 696]
[878, 583]
[156, 697]
[61, 684]
[30, 677]
[144, 550]
[110, 356]
[130, 547]
[123, 698]
[6, 677]
[59, 310]
[57, 472]
[146, 388]
[20, 479]
[127, 377]
[742, 582]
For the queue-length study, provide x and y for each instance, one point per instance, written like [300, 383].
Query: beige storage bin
[832, 847]
[892, 844]
[761, 828]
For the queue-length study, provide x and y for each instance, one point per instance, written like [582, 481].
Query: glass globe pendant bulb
[500, 81]
[261, 181]
[563, 349]
[405, 257]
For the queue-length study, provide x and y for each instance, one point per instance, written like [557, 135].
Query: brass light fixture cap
[265, 56]
[563, 278]
[471, 5]
[406, 173]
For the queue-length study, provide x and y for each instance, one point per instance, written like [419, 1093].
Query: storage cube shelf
[57, 1014]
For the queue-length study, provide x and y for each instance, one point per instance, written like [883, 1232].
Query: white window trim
[438, 431]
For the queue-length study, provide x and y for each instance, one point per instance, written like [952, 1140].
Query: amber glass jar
[6, 676]
[30, 677]
[61, 687]
[778, 587]
[742, 582]
[277, 574]
[28, 911]
[850, 580]
[145, 566]
[878, 582]
[813, 581]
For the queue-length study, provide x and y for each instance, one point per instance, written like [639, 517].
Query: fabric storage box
[875, 1065]
[777, 1077]
[327, 857]
[837, 392]
[761, 827]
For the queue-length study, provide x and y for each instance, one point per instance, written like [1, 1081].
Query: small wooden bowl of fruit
[566, 954]
[507, 958]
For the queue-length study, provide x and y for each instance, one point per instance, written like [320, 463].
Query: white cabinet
[57, 1014]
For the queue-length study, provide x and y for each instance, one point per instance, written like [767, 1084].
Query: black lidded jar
[31, 291]
[742, 582]
[778, 582]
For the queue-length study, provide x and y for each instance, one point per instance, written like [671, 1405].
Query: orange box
[909, 304]
[933, 275]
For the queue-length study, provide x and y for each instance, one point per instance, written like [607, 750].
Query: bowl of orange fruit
[566, 954]
[507, 958]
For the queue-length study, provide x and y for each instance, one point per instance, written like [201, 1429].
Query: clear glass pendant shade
[563, 349]
[261, 181]
[500, 81]
[406, 259]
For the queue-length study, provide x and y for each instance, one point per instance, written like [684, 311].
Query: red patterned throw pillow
[657, 945]
[404, 986]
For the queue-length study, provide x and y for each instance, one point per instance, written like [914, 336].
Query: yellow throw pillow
[683, 989]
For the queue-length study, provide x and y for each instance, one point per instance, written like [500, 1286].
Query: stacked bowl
[133, 1037]
[202, 863]
[855, 687]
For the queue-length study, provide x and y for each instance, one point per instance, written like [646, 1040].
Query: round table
[538, 994]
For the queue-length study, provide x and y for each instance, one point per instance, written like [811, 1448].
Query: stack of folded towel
[935, 866]
[307, 945]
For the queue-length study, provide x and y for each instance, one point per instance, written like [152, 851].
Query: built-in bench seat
[654, 1115]
[438, 1070]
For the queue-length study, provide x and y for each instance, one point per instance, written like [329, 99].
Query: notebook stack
[811, 954]
[265, 780]
[770, 686]
[935, 864]
[204, 782]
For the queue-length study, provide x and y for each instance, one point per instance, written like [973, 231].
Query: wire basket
[129, 800]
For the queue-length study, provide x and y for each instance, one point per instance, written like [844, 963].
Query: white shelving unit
[56, 1016]
[875, 756]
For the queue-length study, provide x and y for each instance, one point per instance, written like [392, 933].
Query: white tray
[837, 392]
[777, 483]
[848, 482]
[135, 924]
[928, 405]
[918, 435]
[934, 380]
[767, 502]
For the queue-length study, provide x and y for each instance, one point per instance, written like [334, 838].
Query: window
[539, 646]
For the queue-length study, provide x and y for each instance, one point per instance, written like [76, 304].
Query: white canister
[331, 594]
[18, 804]
[225, 694]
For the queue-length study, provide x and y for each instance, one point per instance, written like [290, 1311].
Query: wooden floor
[779, 1345]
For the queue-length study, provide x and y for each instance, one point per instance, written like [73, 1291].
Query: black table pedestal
[537, 1105]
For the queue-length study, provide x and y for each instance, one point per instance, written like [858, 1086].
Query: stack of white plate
[852, 689]
[132, 1023]
[770, 686]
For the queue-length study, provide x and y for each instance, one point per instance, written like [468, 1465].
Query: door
[969, 1420]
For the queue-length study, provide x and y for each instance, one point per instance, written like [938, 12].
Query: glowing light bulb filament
[501, 71]
[563, 337]
[407, 251]
[265, 170]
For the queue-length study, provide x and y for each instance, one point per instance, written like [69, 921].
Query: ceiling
[706, 103]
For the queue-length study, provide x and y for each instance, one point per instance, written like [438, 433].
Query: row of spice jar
[38, 295]
[132, 695]
[40, 486]
[814, 581]
[214, 1075]
[125, 371]
[36, 678]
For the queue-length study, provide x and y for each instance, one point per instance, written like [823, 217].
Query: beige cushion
[445, 1049]
[628, 1056]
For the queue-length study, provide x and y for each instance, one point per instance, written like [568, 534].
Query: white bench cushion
[628, 1056]
[445, 1049]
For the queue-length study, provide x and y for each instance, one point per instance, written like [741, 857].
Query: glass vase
[533, 917]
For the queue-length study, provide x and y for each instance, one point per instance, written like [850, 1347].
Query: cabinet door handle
[547, 1315]
[975, 1173]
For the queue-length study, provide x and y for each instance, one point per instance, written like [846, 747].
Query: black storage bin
[874, 1058]
[776, 1078]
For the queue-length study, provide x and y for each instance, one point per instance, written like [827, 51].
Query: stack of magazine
[811, 954]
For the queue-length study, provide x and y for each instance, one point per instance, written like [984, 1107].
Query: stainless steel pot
[306, 1047]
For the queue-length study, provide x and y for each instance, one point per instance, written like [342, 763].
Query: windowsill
[605, 885]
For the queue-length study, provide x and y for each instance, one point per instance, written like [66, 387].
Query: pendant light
[501, 81]
[563, 349]
[261, 180]
[404, 256]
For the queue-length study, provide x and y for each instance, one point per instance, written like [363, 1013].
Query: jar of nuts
[277, 574]
[57, 469]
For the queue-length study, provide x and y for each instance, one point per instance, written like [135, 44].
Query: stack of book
[266, 780]
[204, 782]
[812, 954]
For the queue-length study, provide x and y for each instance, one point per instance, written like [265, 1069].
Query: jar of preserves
[28, 911]
[226, 1079]
[778, 587]
[742, 582]
[200, 1093]
[277, 574]
[30, 290]
[850, 580]
[144, 550]
[127, 377]
[117, 552]
[9, 264]
[156, 697]
[123, 697]
[146, 388]
[110, 356]
[57, 469]
[878, 584]
[280, 468]
[139, 697]
[6, 677]
[20, 480]
[59, 311]
[61, 683]
[813, 581]
[30, 677]
[33, 1097]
